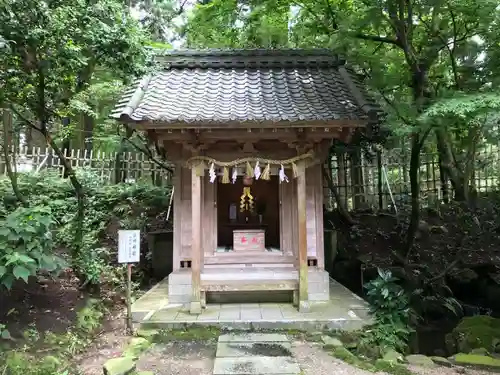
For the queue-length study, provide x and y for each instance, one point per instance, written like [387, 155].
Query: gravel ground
[110, 345]
[176, 358]
[314, 361]
[183, 358]
[447, 371]
[197, 358]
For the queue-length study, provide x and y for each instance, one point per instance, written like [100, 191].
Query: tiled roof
[220, 86]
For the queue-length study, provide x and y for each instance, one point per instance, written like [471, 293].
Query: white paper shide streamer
[282, 175]
[235, 175]
[256, 171]
[211, 173]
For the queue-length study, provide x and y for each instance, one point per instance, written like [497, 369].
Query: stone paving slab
[256, 365]
[253, 337]
[247, 349]
[344, 311]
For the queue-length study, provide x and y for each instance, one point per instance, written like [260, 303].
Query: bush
[48, 224]
[390, 309]
[27, 244]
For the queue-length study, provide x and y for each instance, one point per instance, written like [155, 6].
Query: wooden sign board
[129, 242]
[250, 239]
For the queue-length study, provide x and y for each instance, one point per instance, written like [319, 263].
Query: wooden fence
[110, 167]
[363, 182]
[383, 182]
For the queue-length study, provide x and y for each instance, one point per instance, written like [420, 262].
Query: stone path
[255, 353]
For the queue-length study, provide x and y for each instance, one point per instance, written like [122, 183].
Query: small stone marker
[332, 342]
[420, 360]
[119, 366]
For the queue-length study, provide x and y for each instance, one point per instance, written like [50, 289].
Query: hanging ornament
[200, 169]
[282, 175]
[249, 171]
[234, 175]
[256, 171]
[225, 175]
[246, 200]
[295, 170]
[266, 174]
[212, 174]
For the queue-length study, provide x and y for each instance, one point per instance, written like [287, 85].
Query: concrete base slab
[253, 337]
[255, 354]
[256, 365]
[248, 349]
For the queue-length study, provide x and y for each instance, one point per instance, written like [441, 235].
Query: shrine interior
[248, 206]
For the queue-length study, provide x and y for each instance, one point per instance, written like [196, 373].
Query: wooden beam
[196, 247]
[146, 125]
[286, 135]
[303, 298]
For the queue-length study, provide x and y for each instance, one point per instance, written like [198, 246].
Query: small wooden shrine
[248, 131]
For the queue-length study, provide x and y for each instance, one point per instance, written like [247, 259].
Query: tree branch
[27, 121]
[380, 39]
[391, 104]
[345, 214]
[331, 13]
[148, 153]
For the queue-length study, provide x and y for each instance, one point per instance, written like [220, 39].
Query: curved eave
[210, 124]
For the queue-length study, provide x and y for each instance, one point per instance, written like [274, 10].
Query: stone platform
[255, 353]
[180, 290]
[344, 311]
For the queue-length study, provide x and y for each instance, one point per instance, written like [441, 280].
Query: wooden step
[249, 258]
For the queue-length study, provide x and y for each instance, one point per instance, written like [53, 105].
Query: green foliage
[27, 360]
[57, 45]
[4, 332]
[391, 367]
[52, 202]
[389, 306]
[224, 23]
[26, 244]
[346, 356]
[463, 106]
[475, 332]
[89, 318]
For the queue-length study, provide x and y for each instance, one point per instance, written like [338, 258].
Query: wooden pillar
[303, 301]
[196, 247]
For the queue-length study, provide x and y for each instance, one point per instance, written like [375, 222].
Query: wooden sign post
[129, 252]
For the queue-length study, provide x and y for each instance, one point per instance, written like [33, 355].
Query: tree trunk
[7, 137]
[341, 173]
[87, 134]
[415, 193]
[79, 192]
[449, 167]
[66, 144]
[119, 164]
[417, 142]
[380, 184]
[340, 206]
[357, 180]
[444, 181]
